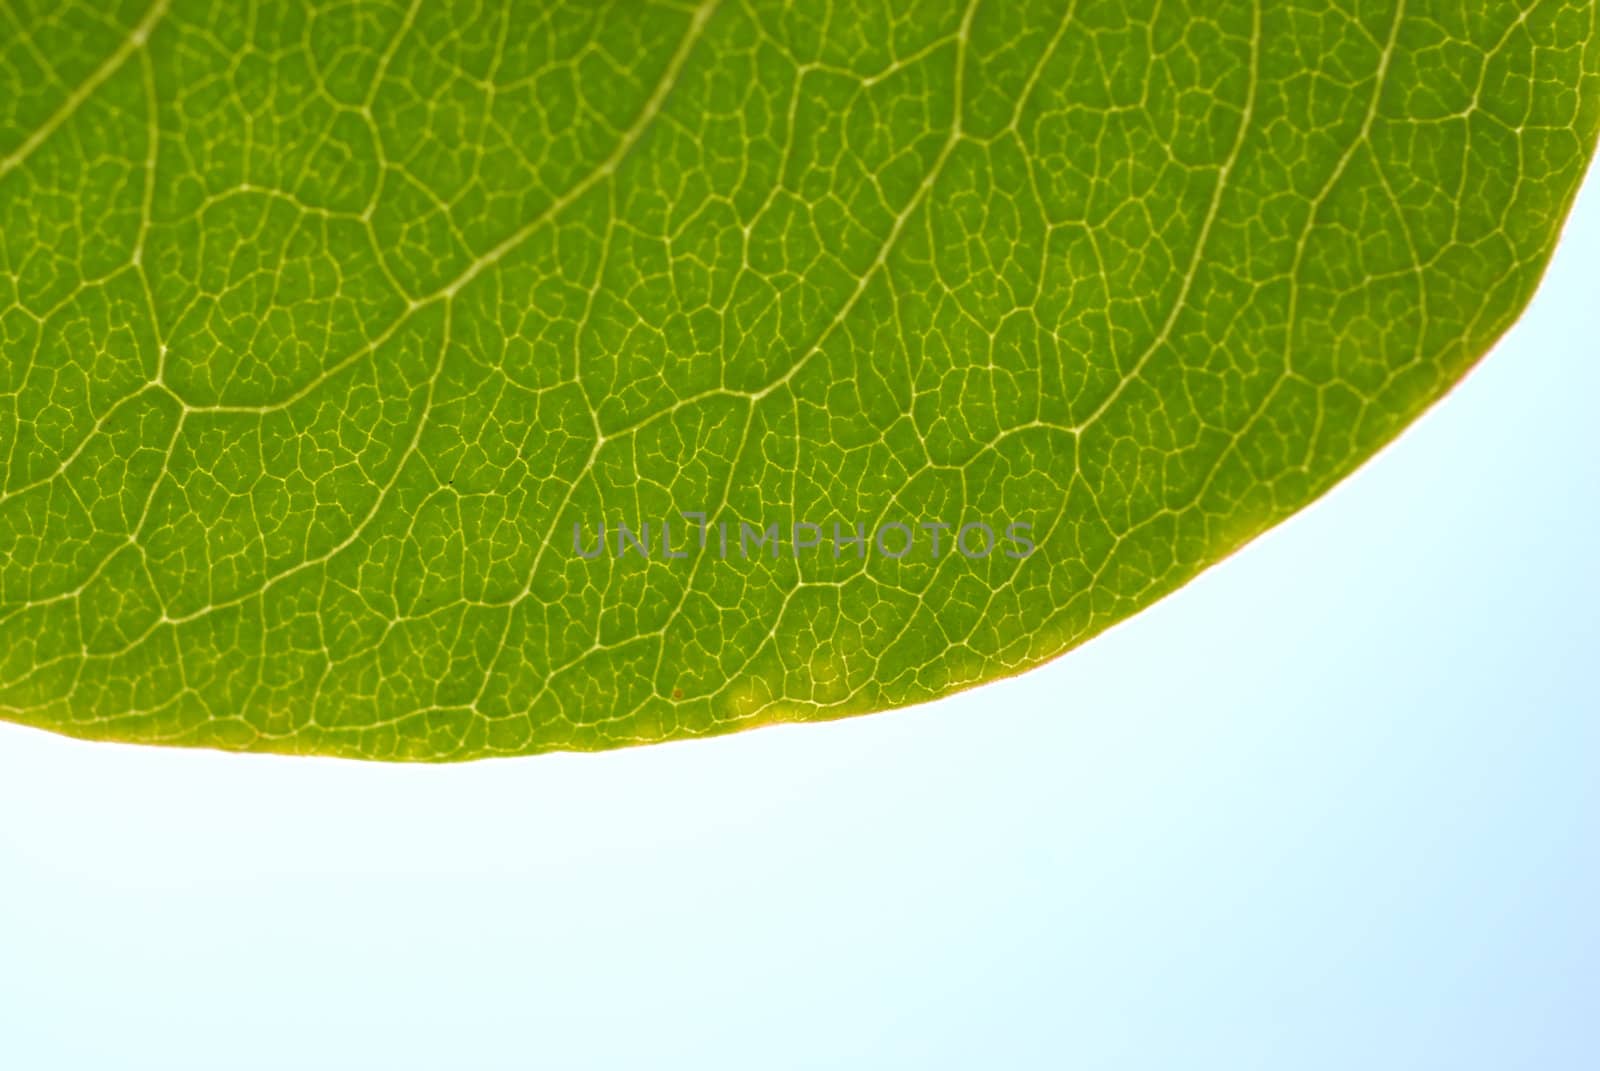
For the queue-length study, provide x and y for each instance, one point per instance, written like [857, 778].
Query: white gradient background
[1334, 805]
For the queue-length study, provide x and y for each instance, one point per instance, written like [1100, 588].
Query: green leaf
[334, 333]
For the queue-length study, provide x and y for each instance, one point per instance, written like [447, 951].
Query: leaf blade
[295, 450]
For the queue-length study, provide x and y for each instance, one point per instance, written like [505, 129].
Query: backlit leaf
[416, 382]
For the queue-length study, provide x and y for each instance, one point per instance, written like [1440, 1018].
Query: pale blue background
[1335, 805]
